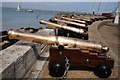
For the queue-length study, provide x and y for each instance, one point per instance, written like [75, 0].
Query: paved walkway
[107, 35]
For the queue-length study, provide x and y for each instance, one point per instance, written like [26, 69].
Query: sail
[18, 8]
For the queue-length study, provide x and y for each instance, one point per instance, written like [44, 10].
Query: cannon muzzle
[80, 31]
[56, 40]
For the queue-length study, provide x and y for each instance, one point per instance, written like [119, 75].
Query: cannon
[67, 30]
[86, 21]
[89, 21]
[73, 24]
[50, 40]
[70, 22]
[80, 31]
[80, 53]
[74, 20]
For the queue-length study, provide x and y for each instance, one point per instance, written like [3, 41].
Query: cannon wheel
[103, 71]
[56, 69]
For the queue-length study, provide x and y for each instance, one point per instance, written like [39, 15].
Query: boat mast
[117, 12]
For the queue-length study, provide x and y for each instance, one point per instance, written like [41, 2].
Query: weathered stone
[9, 57]
[9, 72]
[17, 59]
[20, 67]
[30, 58]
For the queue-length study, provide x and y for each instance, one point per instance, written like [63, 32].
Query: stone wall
[16, 60]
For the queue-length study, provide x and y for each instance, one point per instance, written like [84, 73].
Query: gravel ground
[107, 35]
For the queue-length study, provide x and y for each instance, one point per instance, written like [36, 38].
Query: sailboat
[18, 8]
[29, 10]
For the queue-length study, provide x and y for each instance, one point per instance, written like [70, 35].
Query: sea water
[11, 19]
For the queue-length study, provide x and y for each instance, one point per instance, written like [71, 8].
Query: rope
[99, 5]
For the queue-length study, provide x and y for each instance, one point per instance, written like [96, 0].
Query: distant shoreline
[32, 9]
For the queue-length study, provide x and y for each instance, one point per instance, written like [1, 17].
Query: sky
[65, 6]
[59, 0]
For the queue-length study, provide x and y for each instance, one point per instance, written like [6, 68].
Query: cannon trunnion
[101, 65]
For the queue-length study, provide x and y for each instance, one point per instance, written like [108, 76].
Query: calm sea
[11, 19]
